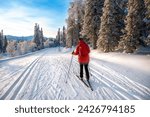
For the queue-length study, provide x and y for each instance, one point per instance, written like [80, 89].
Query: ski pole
[69, 68]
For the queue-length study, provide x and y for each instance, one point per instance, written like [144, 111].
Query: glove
[73, 52]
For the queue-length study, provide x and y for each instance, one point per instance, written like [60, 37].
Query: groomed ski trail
[42, 76]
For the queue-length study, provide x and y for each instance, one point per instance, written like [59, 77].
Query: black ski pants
[86, 70]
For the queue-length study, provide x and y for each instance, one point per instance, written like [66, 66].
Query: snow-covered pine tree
[41, 39]
[109, 32]
[5, 43]
[74, 22]
[70, 26]
[134, 31]
[147, 21]
[147, 4]
[119, 14]
[36, 38]
[1, 41]
[79, 18]
[69, 32]
[59, 36]
[91, 26]
[64, 36]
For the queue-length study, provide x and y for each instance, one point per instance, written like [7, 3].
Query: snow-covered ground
[44, 75]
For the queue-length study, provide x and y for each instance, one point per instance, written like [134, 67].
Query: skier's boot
[87, 78]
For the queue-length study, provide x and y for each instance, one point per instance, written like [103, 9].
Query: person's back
[83, 51]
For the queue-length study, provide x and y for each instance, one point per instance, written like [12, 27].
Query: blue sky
[17, 17]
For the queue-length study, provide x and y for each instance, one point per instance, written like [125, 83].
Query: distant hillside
[27, 38]
[22, 38]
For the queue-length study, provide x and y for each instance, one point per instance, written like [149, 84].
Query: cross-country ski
[87, 85]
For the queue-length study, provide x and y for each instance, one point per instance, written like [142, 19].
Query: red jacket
[82, 51]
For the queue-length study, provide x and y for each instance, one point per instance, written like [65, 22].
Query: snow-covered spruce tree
[70, 26]
[79, 6]
[74, 22]
[109, 32]
[119, 14]
[147, 4]
[147, 21]
[1, 44]
[91, 26]
[134, 30]
[59, 36]
[5, 43]
[41, 38]
[70, 30]
[64, 36]
[36, 38]
[1, 41]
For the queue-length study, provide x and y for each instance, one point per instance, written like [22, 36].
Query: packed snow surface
[45, 75]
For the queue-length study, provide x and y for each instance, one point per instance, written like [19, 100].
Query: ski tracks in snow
[43, 76]
[13, 91]
[115, 85]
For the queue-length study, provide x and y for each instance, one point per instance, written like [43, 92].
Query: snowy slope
[43, 75]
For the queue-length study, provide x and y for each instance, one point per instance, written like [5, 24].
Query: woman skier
[83, 50]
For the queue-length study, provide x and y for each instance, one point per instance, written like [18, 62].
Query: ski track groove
[14, 84]
[31, 86]
[12, 75]
[53, 89]
[25, 78]
[40, 92]
[14, 89]
[17, 81]
[110, 84]
[116, 84]
[124, 80]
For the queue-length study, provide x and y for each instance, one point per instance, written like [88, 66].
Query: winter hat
[80, 38]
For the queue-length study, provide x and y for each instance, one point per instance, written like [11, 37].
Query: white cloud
[19, 21]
